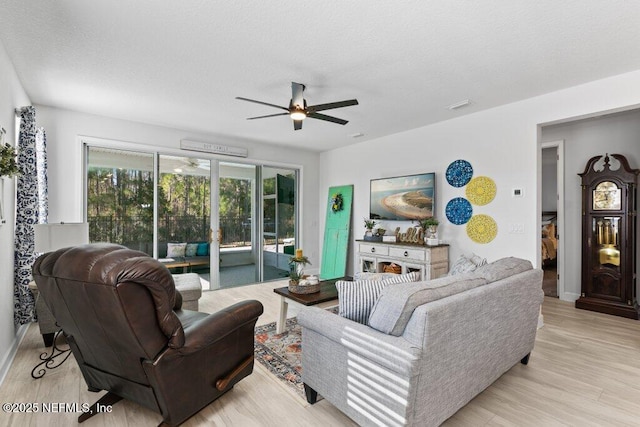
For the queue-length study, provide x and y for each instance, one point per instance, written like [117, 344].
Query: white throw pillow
[357, 298]
[176, 249]
[462, 265]
[466, 264]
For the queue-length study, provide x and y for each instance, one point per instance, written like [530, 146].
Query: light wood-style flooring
[584, 370]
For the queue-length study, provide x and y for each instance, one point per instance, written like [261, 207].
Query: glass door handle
[210, 238]
[220, 235]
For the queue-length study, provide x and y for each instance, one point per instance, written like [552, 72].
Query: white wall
[12, 95]
[617, 133]
[65, 162]
[501, 143]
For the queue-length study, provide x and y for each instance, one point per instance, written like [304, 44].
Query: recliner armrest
[218, 325]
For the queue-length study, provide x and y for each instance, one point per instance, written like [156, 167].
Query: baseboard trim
[569, 296]
[11, 353]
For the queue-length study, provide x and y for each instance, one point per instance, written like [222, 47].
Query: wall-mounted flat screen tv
[402, 198]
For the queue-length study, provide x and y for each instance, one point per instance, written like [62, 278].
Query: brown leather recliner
[121, 315]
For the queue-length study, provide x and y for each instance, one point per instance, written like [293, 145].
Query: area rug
[281, 353]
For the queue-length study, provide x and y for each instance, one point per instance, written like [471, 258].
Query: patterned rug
[281, 353]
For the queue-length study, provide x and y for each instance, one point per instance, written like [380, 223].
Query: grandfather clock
[609, 237]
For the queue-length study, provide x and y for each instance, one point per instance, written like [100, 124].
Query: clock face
[606, 196]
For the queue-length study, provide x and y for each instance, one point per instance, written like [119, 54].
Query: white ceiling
[182, 63]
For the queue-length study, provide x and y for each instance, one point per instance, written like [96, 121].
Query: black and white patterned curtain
[31, 209]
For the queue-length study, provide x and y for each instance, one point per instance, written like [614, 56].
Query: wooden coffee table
[326, 297]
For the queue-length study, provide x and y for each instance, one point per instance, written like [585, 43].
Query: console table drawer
[374, 249]
[409, 254]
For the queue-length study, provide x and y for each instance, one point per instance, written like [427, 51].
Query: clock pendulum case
[609, 237]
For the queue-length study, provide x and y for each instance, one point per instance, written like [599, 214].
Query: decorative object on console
[459, 211]
[403, 198]
[609, 217]
[482, 228]
[368, 234]
[412, 235]
[459, 172]
[481, 190]
[430, 228]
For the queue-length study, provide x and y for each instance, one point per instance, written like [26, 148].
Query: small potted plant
[430, 227]
[369, 224]
[297, 279]
[8, 164]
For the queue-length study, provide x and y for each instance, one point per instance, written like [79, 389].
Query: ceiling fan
[298, 109]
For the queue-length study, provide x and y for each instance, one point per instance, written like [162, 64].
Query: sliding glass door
[231, 223]
[184, 219]
[279, 219]
[237, 234]
[120, 198]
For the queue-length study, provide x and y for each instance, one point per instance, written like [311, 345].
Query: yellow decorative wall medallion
[482, 228]
[481, 190]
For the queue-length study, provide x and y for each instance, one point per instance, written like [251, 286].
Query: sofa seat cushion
[396, 304]
[355, 299]
[503, 268]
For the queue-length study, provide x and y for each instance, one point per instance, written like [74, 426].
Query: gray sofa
[435, 346]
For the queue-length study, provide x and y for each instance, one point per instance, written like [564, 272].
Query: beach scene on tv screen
[402, 198]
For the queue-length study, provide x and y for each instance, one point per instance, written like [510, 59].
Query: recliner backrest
[116, 304]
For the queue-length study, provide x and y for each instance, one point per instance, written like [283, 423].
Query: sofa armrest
[394, 353]
[215, 327]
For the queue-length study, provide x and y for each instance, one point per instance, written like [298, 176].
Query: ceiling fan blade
[260, 102]
[332, 105]
[297, 124]
[270, 115]
[297, 94]
[327, 118]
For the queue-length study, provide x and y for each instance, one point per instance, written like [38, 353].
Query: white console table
[431, 261]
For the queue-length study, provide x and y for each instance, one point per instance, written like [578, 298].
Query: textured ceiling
[182, 63]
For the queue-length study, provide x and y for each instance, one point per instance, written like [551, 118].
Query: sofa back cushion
[503, 268]
[355, 299]
[396, 304]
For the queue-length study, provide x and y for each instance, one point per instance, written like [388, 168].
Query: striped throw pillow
[357, 298]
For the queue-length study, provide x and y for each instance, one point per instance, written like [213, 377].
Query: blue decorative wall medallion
[459, 210]
[459, 172]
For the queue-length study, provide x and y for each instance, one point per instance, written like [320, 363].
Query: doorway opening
[551, 217]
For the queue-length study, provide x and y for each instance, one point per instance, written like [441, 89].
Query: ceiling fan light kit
[298, 109]
[298, 115]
